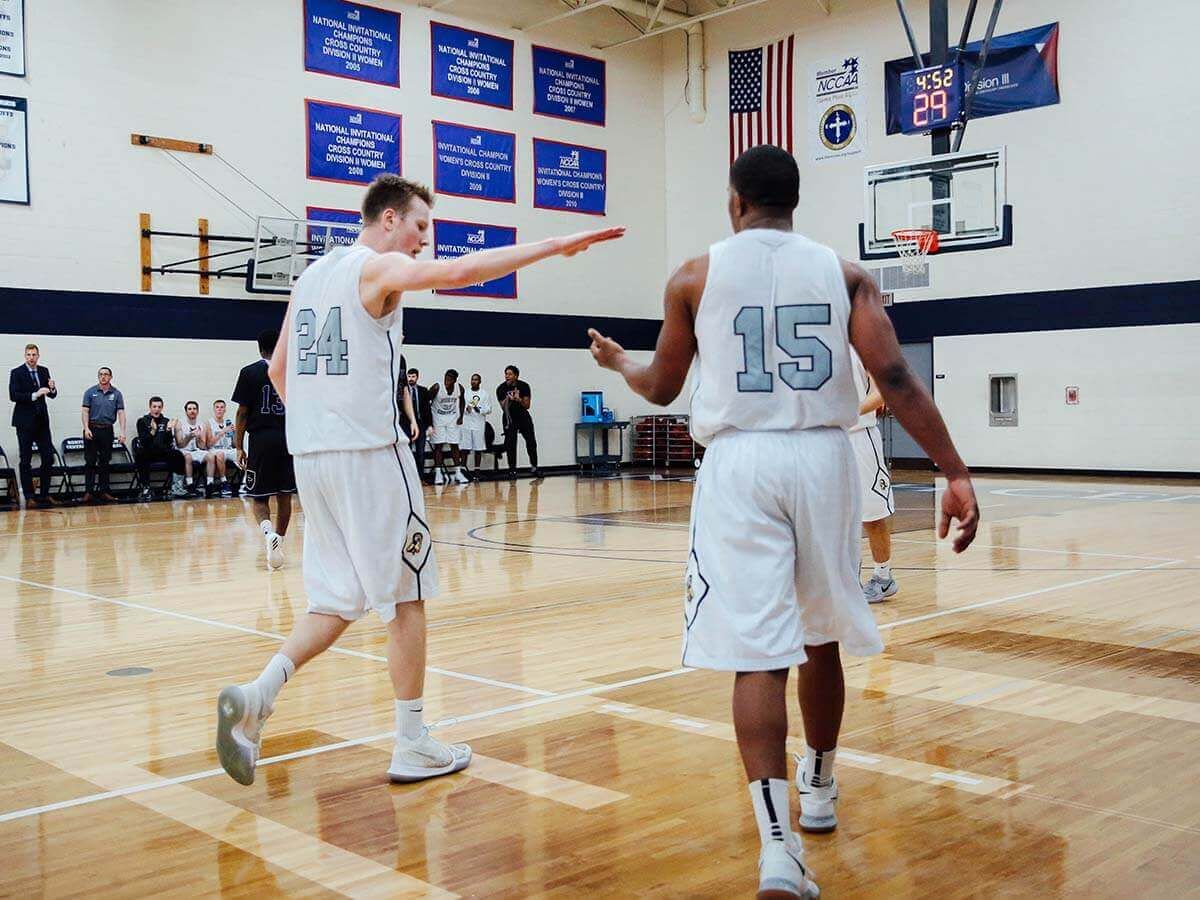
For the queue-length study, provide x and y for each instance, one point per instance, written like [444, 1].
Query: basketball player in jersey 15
[771, 317]
[366, 542]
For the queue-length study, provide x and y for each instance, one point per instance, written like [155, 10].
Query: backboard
[963, 196]
[284, 248]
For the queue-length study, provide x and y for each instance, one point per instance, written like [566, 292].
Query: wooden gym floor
[1031, 730]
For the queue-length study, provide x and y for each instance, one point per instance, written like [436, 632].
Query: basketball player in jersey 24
[772, 577]
[366, 542]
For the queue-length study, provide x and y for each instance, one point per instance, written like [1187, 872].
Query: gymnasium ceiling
[599, 23]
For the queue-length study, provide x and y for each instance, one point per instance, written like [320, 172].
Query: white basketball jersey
[445, 406]
[223, 441]
[862, 381]
[343, 366]
[772, 335]
[193, 430]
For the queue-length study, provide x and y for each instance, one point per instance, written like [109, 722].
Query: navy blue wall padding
[31, 311]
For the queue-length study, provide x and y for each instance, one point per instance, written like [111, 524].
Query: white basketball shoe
[426, 757]
[240, 718]
[818, 805]
[782, 873]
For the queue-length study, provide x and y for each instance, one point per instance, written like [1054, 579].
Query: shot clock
[930, 98]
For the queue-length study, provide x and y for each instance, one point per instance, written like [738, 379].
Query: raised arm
[392, 273]
[277, 368]
[661, 381]
[874, 339]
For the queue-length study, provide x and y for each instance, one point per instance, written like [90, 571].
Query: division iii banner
[453, 239]
[1021, 73]
[14, 151]
[12, 37]
[837, 116]
[352, 41]
[349, 143]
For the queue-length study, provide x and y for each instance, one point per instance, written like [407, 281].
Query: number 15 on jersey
[814, 364]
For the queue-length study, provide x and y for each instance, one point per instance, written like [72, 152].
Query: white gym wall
[232, 74]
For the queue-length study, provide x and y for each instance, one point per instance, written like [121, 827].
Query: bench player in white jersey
[447, 403]
[875, 485]
[366, 543]
[474, 428]
[772, 580]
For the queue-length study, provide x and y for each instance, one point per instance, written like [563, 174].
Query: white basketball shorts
[366, 542]
[445, 431]
[471, 438]
[775, 550]
[874, 480]
[198, 456]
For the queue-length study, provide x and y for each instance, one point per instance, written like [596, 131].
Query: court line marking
[937, 614]
[329, 748]
[217, 623]
[512, 707]
[1043, 550]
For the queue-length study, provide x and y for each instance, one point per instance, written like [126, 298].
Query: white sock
[410, 718]
[818, 767]
[883, 570]
[190, 479]
[274, 676]
[772, 809]
[265, 526]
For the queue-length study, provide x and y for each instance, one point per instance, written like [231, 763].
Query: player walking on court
[772, 573]
[446, 401]
[366, 543]
[875, 483]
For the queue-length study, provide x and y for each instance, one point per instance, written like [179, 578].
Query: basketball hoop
[913, 245]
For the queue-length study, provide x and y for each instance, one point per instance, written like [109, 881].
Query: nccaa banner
[1021, 73]
[474, 162]
[471, 66]
[12, 37]
[568, 85]
[453, 239]
[569, 177]
[350, 143]
[319, 237]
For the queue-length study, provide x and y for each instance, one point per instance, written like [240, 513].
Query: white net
[914, 245]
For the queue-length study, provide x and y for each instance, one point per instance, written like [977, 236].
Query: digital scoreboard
[930, 98]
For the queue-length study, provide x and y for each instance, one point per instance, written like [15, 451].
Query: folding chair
[11, 494]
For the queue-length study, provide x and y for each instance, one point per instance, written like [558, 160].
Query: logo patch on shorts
[415, 542]
[251, 477]
[882, 484]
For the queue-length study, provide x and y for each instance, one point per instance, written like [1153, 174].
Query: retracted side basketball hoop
[914, 245]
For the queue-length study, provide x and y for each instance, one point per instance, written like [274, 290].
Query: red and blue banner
[352, 40]
[1021, 73]
[474, 162]
[568, 86]
[337, 237]
[471, 66]
[569, 177]
[350, 144]
[452, 239]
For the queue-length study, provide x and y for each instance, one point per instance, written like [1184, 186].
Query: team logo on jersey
[838, 127]
[691, 593]
[415, 543]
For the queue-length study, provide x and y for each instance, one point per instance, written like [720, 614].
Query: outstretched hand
[958, 502]
[607, 352]
[577, 243]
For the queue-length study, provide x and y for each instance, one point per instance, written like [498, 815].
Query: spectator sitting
[156, 439]
[189, 438]
[218, 438]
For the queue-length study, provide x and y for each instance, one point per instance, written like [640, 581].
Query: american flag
[760, 97]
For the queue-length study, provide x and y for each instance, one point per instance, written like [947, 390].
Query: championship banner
[837, 115]
[337, 237]
[471, 66]
[349, 143]
[568, 86]
[1021, 73]
[14, 150]
[453, 239]
[569, 177]
[351, 40]
[12, 37]
[474, 162]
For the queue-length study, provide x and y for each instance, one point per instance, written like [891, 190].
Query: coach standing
[103, 407]
[28, 387]
[515, 399]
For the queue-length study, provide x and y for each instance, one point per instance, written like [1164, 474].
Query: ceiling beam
[826, 6]
[686, 23]
[566, 14]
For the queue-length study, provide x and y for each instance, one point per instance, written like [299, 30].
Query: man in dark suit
[423, 407]
[28, 387]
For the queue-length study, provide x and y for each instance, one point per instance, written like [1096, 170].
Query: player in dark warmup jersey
[268, 465]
